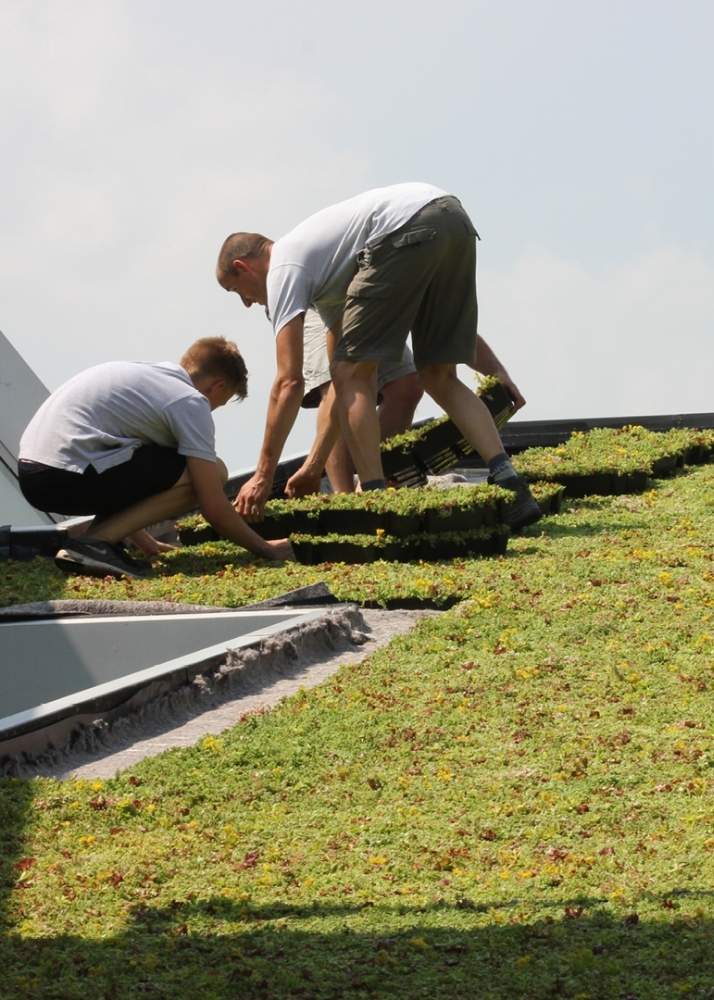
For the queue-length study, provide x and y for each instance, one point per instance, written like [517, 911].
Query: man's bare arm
[283, 406]
[208, 488]
[486, 362]
[307, 478]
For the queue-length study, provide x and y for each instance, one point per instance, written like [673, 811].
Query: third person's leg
[177, 500]
[400, 399]
[338, 465]
[356, 393]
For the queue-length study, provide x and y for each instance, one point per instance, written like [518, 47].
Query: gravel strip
[153, 736]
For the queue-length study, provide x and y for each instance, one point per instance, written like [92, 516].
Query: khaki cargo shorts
[316, 366]
[420, 278]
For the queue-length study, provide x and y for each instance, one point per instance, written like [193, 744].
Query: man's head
[243, 266]
[217, 369]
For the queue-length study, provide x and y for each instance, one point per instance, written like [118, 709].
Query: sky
[137, 134]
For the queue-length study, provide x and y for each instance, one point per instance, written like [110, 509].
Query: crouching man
[133, 443]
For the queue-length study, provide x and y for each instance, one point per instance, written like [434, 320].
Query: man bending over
[133, 443]
[376, 266]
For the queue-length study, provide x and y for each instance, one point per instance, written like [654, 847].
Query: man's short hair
[219, 358]
[237, 246]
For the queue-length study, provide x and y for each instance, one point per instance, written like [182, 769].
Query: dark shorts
[422, 278]
[151, 470]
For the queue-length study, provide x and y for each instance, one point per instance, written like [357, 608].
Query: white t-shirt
[314, 263]
[103, 414]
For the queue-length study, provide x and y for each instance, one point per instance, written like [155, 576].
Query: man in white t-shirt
[377, 266]
[133, 443]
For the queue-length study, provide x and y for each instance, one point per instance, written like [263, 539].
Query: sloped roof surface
[21, 393]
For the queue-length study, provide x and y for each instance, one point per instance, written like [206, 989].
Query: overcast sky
[579, 136]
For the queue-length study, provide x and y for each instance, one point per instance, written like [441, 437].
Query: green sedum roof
[514, 800]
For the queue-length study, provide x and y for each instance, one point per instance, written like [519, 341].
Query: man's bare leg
[179, 499]
[400, 399]
[468, 412]
[475, 422]
[142, 539]
[356, 392]
[340, 469]
[338, 465]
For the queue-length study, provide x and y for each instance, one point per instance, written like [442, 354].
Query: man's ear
[240, 265]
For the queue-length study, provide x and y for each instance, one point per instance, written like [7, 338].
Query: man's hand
[303, 483]
[512, 389]
[207, 482]
[250, 502]
[280, 550]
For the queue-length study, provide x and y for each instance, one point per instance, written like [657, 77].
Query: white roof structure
[21, 393]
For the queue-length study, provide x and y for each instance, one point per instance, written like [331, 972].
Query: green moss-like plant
[428, 546]
[621, 458]
[513, 800]
[549, 496]
[377, 508]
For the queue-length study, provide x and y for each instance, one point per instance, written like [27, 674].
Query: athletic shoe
[92, 557]
[523, 509]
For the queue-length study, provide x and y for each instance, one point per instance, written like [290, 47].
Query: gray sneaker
[92, 557]
[523, 509]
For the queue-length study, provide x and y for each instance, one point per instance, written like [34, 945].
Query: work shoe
[92, 557]
[523, 509]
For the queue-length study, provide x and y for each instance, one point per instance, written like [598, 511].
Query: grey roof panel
[21, 395]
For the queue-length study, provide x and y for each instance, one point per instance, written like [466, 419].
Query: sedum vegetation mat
[407, 524]
[602, 462]
[514, 800]
[615, 460]
[401, 512]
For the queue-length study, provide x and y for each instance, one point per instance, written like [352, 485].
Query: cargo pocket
[366, 285]
[412, 237]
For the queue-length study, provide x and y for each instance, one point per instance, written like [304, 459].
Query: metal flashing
[61, 668]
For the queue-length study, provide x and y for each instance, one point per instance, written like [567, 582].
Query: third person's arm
[486, 362]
